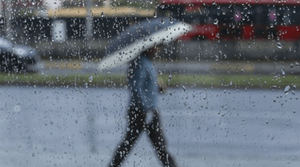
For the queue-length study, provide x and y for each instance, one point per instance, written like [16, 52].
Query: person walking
[137, 45]
[143, 115]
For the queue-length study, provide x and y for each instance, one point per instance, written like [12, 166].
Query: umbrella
[140, 37]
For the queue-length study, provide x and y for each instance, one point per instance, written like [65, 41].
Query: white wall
[53, 4]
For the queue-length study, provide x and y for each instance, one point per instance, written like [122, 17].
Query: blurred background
[225, 31]
[230, 94]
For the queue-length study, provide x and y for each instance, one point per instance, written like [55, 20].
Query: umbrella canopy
[140, 37]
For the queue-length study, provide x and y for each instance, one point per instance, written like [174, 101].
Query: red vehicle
[237, 19]
[243, 28]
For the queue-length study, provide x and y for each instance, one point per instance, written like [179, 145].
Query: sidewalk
[205, 67]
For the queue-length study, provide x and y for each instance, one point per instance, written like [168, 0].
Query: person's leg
[158, 140]
[135, 127]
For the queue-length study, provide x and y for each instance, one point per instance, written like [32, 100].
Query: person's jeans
[136, 125]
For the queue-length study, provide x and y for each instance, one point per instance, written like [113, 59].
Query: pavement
[202, 67]
[80, 127]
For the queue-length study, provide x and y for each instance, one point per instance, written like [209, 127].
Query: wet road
[70, 127]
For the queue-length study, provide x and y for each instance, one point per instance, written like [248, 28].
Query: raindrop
[279, 45]
[170, 77]
[287, 89]
[282, 71]
[216, 21]
[91, 78]
[171, 20]
[183, 87]
[17, 108]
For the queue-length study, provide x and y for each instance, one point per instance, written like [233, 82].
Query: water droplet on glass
[279, 45]
[216, 21]
[183, 87]
[171, 20]
[91, 78]
[287, 89]
[17, 108]
[282, 72]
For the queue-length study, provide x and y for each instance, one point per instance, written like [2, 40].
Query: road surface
[70, 127]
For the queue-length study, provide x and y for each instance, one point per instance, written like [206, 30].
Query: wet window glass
[149, 83]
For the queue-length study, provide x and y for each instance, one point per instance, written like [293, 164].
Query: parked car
[17, 58]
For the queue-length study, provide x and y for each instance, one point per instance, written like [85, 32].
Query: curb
[209, 67]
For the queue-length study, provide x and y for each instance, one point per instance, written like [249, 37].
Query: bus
[277, 21]
[239, 19]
